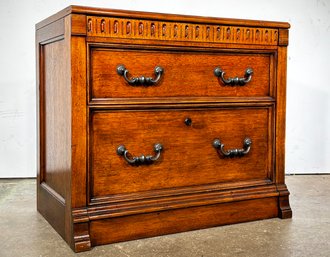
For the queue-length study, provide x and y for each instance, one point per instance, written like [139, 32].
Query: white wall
[308, 99]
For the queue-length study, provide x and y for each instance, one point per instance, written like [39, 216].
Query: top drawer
[185, 73]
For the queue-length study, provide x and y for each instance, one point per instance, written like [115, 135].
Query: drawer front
[186, 74]
[188, 157]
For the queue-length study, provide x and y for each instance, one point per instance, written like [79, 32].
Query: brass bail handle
[236, 81]
[143, 159]
[142, 80]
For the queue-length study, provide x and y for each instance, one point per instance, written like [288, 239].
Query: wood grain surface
[185, 73]
[188, 157]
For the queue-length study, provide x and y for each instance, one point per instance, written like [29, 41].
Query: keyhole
[188, 121]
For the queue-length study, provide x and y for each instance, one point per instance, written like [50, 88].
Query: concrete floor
[24, 233]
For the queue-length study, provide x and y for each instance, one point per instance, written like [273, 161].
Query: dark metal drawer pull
[233, 152]
[218, 72]
[122, 151]
[140, 81]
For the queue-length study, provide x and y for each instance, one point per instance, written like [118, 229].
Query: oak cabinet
[152, 124]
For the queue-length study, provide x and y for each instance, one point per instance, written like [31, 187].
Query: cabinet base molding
[124, 228]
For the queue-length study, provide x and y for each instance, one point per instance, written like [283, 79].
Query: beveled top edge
[68, 10]
[74, 9]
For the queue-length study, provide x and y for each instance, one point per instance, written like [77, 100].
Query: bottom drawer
[188, 156]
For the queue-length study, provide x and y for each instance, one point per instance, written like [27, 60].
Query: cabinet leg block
[81, 237]
[285, 211]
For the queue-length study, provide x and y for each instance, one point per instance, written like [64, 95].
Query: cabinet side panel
[54, 135]
[57, 117]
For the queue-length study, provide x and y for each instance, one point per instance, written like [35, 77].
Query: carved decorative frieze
[177, 31]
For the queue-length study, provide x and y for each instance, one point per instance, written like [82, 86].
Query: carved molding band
[174, 31]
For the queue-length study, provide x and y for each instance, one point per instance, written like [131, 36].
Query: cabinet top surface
[158, 16]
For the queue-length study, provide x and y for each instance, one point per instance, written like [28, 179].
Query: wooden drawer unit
[179, 76]
[152, 124]
[188, 156]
